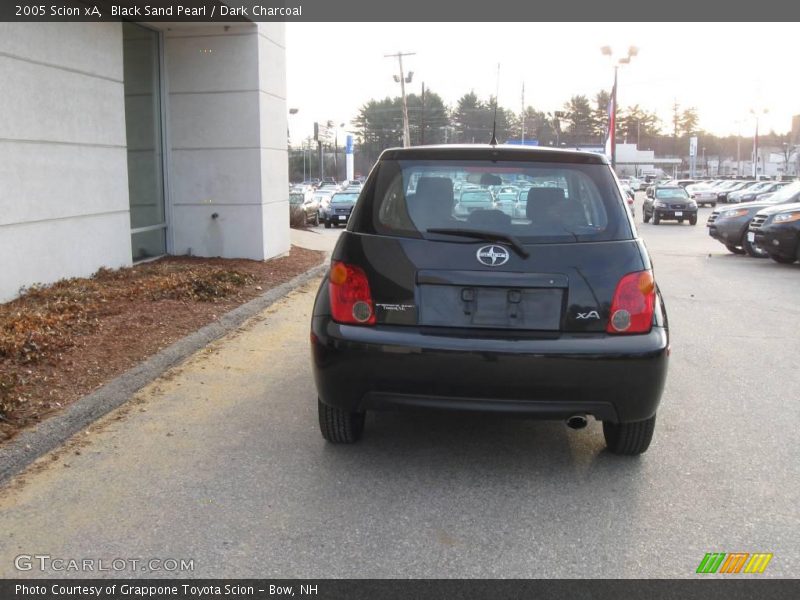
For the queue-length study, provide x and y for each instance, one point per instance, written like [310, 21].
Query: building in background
[640, 163]
[120, 142]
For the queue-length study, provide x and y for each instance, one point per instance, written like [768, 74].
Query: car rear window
[555, 201]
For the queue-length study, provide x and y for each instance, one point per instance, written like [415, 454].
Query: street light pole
[612, 132]
[403, 80]
[705, 164]
[756, 172]
[612, 118]
[293, 111]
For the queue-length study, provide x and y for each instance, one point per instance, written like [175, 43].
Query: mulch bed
[61, 342]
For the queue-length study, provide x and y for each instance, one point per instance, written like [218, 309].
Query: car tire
[751, 250]
[784, 260]
[629, 439]
[733, 249]
[327, 224]
[340, 426]
[693, 220]
[645, 217]
[713, 204]
[656, 219]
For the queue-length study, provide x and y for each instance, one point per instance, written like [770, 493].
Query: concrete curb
[51, 433]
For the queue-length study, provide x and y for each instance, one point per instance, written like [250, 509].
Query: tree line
[581, 121]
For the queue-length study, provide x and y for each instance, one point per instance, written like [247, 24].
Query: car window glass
[554, 202]
[670, 193]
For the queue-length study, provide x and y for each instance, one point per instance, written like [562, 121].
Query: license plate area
[678, 213]
[491, 307]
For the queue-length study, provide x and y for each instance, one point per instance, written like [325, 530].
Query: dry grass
[61, 341]
[44, 320]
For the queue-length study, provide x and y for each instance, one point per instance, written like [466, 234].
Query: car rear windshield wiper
[489, 236]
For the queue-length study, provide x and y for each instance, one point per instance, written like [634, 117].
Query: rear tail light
[632, 307]
[351, 300]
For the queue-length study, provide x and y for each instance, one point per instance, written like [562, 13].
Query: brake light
[633, 303]
[351, 300]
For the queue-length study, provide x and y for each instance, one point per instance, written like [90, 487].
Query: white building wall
[63, 169]
[228, 172]
[274, 127]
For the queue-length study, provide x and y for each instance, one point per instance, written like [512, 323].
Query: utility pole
[422, 125]
[403, 80]
[522, 138]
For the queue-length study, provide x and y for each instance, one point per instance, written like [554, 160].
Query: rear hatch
[553, 270]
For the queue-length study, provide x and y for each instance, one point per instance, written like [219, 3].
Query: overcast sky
[722, 69]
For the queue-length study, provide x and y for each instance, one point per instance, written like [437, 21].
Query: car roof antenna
[493, 141]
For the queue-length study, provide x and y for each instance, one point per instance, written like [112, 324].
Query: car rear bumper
[614, 378]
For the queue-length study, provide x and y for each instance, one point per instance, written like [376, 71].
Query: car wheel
[734, 249]
[656, 219]
[327, 224]
[693, 220]
[340, 426]
[629, 438]
[713, 204]
[784, 260]
[645, 216]
[752, 250]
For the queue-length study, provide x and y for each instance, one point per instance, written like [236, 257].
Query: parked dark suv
[777, 231]
[730, 225]
[665, 202]
[553, 315]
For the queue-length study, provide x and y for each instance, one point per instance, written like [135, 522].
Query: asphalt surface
[222, 462]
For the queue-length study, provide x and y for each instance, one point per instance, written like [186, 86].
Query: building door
[143, 122]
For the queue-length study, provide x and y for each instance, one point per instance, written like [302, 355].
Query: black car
[729, 225]
[337, 211]
[777, 230]
[669, 203]
[552, 315]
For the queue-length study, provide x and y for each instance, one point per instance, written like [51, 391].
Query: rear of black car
[552, 315]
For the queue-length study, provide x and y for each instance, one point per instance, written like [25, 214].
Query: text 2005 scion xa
[551, 313]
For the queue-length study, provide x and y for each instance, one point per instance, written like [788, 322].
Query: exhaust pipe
[577, 422]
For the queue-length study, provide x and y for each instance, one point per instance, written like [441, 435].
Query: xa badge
[492, 256]
[592, 314]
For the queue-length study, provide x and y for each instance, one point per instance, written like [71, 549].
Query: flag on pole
[612, 121]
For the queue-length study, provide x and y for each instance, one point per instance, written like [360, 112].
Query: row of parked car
[326, 202]
[731, 191]
[764, 223]
[766, 226]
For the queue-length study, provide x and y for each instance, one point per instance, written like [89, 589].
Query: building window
[143, 123]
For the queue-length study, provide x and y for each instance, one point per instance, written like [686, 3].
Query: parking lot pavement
[315, 238]
[222, 461]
